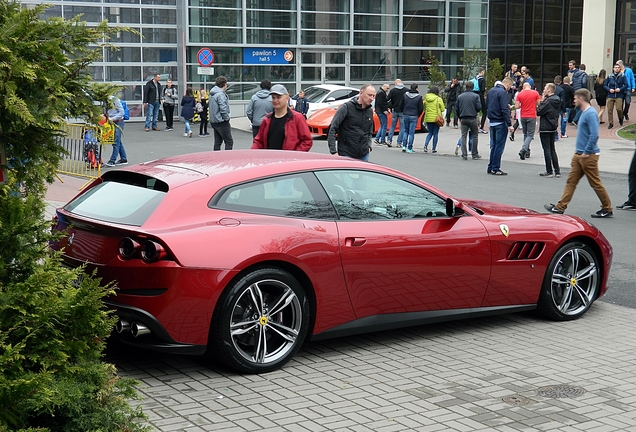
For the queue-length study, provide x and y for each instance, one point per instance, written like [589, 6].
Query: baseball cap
[278, 89]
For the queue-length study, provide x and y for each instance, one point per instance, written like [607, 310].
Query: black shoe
[122, 162]
[522, 155]
[620, 122]
[626, 206]
[552, 208]
[546, 174]
[498, 173]
[512, 137]
[610, 126]
[477, 157]
[626, 117]
[603, 214]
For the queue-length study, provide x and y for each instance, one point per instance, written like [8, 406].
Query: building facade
[305, 42]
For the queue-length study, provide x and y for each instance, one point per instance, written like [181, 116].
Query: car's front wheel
[571, 283]
[260, 321]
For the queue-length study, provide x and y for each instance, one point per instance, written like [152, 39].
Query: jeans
[222, 132]
[627, 100]
[564, 120]
[168, 111]
[469, 126]
[528, 125]
[186, 122]
[611, 102]
[408, 124]
[381, 135]
[549, 153]
[395, 118]
[498, 136]
[118, 146]
[584, 166]
[151, 115]
[433, 131]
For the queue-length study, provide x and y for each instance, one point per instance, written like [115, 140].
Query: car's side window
[339, 94]
[364, 195]
[297, 195]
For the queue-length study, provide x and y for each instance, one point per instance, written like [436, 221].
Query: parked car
[244, 255]
[320, 121]
[326, 95]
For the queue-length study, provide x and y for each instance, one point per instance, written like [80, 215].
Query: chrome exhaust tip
[122, 326]
[137, 330]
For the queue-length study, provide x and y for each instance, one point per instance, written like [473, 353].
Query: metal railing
[83, 147]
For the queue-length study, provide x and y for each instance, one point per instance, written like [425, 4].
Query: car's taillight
[152, 251]
[128, 248]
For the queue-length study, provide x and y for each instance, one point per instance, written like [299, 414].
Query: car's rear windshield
[314, 94]
[115, 202]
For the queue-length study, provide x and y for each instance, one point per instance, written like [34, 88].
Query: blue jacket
[587, 132]
[615, 82]
[579, 80]
[629, 76]
[497, 105]
[412, 103]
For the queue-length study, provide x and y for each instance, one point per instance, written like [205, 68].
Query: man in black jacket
[453, 90]
[395, 102]
[382, 111]
[353, 123]
[467, 108]
[549, 109]
[152, 101]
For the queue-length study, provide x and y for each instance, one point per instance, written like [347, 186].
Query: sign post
[205, 57]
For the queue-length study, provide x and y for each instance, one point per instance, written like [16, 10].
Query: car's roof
[332, 87]
[237, 165]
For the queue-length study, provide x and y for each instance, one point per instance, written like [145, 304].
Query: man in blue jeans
[395, 97]
[116, 116]
[500, 125]
[152, 102]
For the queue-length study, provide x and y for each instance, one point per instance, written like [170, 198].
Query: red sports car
[243, 255]
[320, 121]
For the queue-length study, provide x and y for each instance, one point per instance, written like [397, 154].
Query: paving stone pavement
[472, 375]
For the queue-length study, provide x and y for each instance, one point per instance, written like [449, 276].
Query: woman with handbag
[433, 109]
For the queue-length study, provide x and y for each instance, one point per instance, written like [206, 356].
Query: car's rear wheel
[571, 283]
[260, 321]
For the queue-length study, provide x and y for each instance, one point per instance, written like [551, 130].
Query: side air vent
[525, 251]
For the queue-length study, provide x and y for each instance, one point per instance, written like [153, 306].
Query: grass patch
[628, 132]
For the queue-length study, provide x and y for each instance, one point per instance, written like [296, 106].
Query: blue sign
[267, 56]
[205, 57]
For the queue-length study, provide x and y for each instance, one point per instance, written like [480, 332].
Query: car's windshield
[117, 203]
[315, 94]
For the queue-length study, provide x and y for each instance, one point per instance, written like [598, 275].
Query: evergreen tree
[52, 323]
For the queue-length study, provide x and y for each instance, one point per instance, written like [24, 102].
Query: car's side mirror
[453, 208]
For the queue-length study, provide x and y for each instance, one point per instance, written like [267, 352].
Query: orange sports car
[320, 121]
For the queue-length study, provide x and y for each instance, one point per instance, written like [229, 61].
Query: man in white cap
[284, 128]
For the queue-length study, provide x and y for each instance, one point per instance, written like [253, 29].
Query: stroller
[92, 150]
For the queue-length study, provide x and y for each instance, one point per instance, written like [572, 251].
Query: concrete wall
[597, 44]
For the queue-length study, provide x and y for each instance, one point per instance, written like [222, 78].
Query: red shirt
[528, 100]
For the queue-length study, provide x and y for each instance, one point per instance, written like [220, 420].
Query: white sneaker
[185, 134]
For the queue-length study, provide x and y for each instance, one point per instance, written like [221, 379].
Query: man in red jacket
[284, 128]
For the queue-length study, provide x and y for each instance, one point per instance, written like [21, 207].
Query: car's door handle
[355, 241]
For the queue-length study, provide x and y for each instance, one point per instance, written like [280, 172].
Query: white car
[326, 95]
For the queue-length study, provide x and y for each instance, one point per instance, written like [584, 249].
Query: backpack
[198, 107]
[475, 82]
[126, 111]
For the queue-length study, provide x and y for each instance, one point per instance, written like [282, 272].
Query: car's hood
[497, 209]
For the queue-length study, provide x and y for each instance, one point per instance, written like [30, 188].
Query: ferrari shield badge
[504, 229]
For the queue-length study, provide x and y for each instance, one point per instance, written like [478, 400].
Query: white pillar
[597, 41]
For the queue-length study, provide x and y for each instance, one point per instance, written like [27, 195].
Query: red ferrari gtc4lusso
[243, 255]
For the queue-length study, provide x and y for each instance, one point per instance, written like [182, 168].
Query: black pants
[452, 106]
[255, 130]
[484, 111]
[203, 127]
[222, 132]
[169, 112]
[549, 153]
[631, 179]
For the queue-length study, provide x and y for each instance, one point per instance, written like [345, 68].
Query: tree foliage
[471, 61]
[52, 323]
[437, 75]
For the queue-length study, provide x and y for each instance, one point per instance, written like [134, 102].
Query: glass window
[89, 13]
[272, 4]
[126, 37]
[323, 37]
[122, 15]
[376, 22]
[275, 19]
[381, 7]
[159, 54]
[424, 24]
[418, 7]
[123, 73]
[324, 6]
[310, 21]
[159, 2]
[50, 12]
[122, 1]
[375, 38]
[271, 36]
[364, 195]
[97, 72]
[296, 195]
[159, 16]
[220, 35]
[123, 54]
[215, 17]
[159, 35]
[131, 204]
[217, 3]
[469, 9]
[461, 25]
